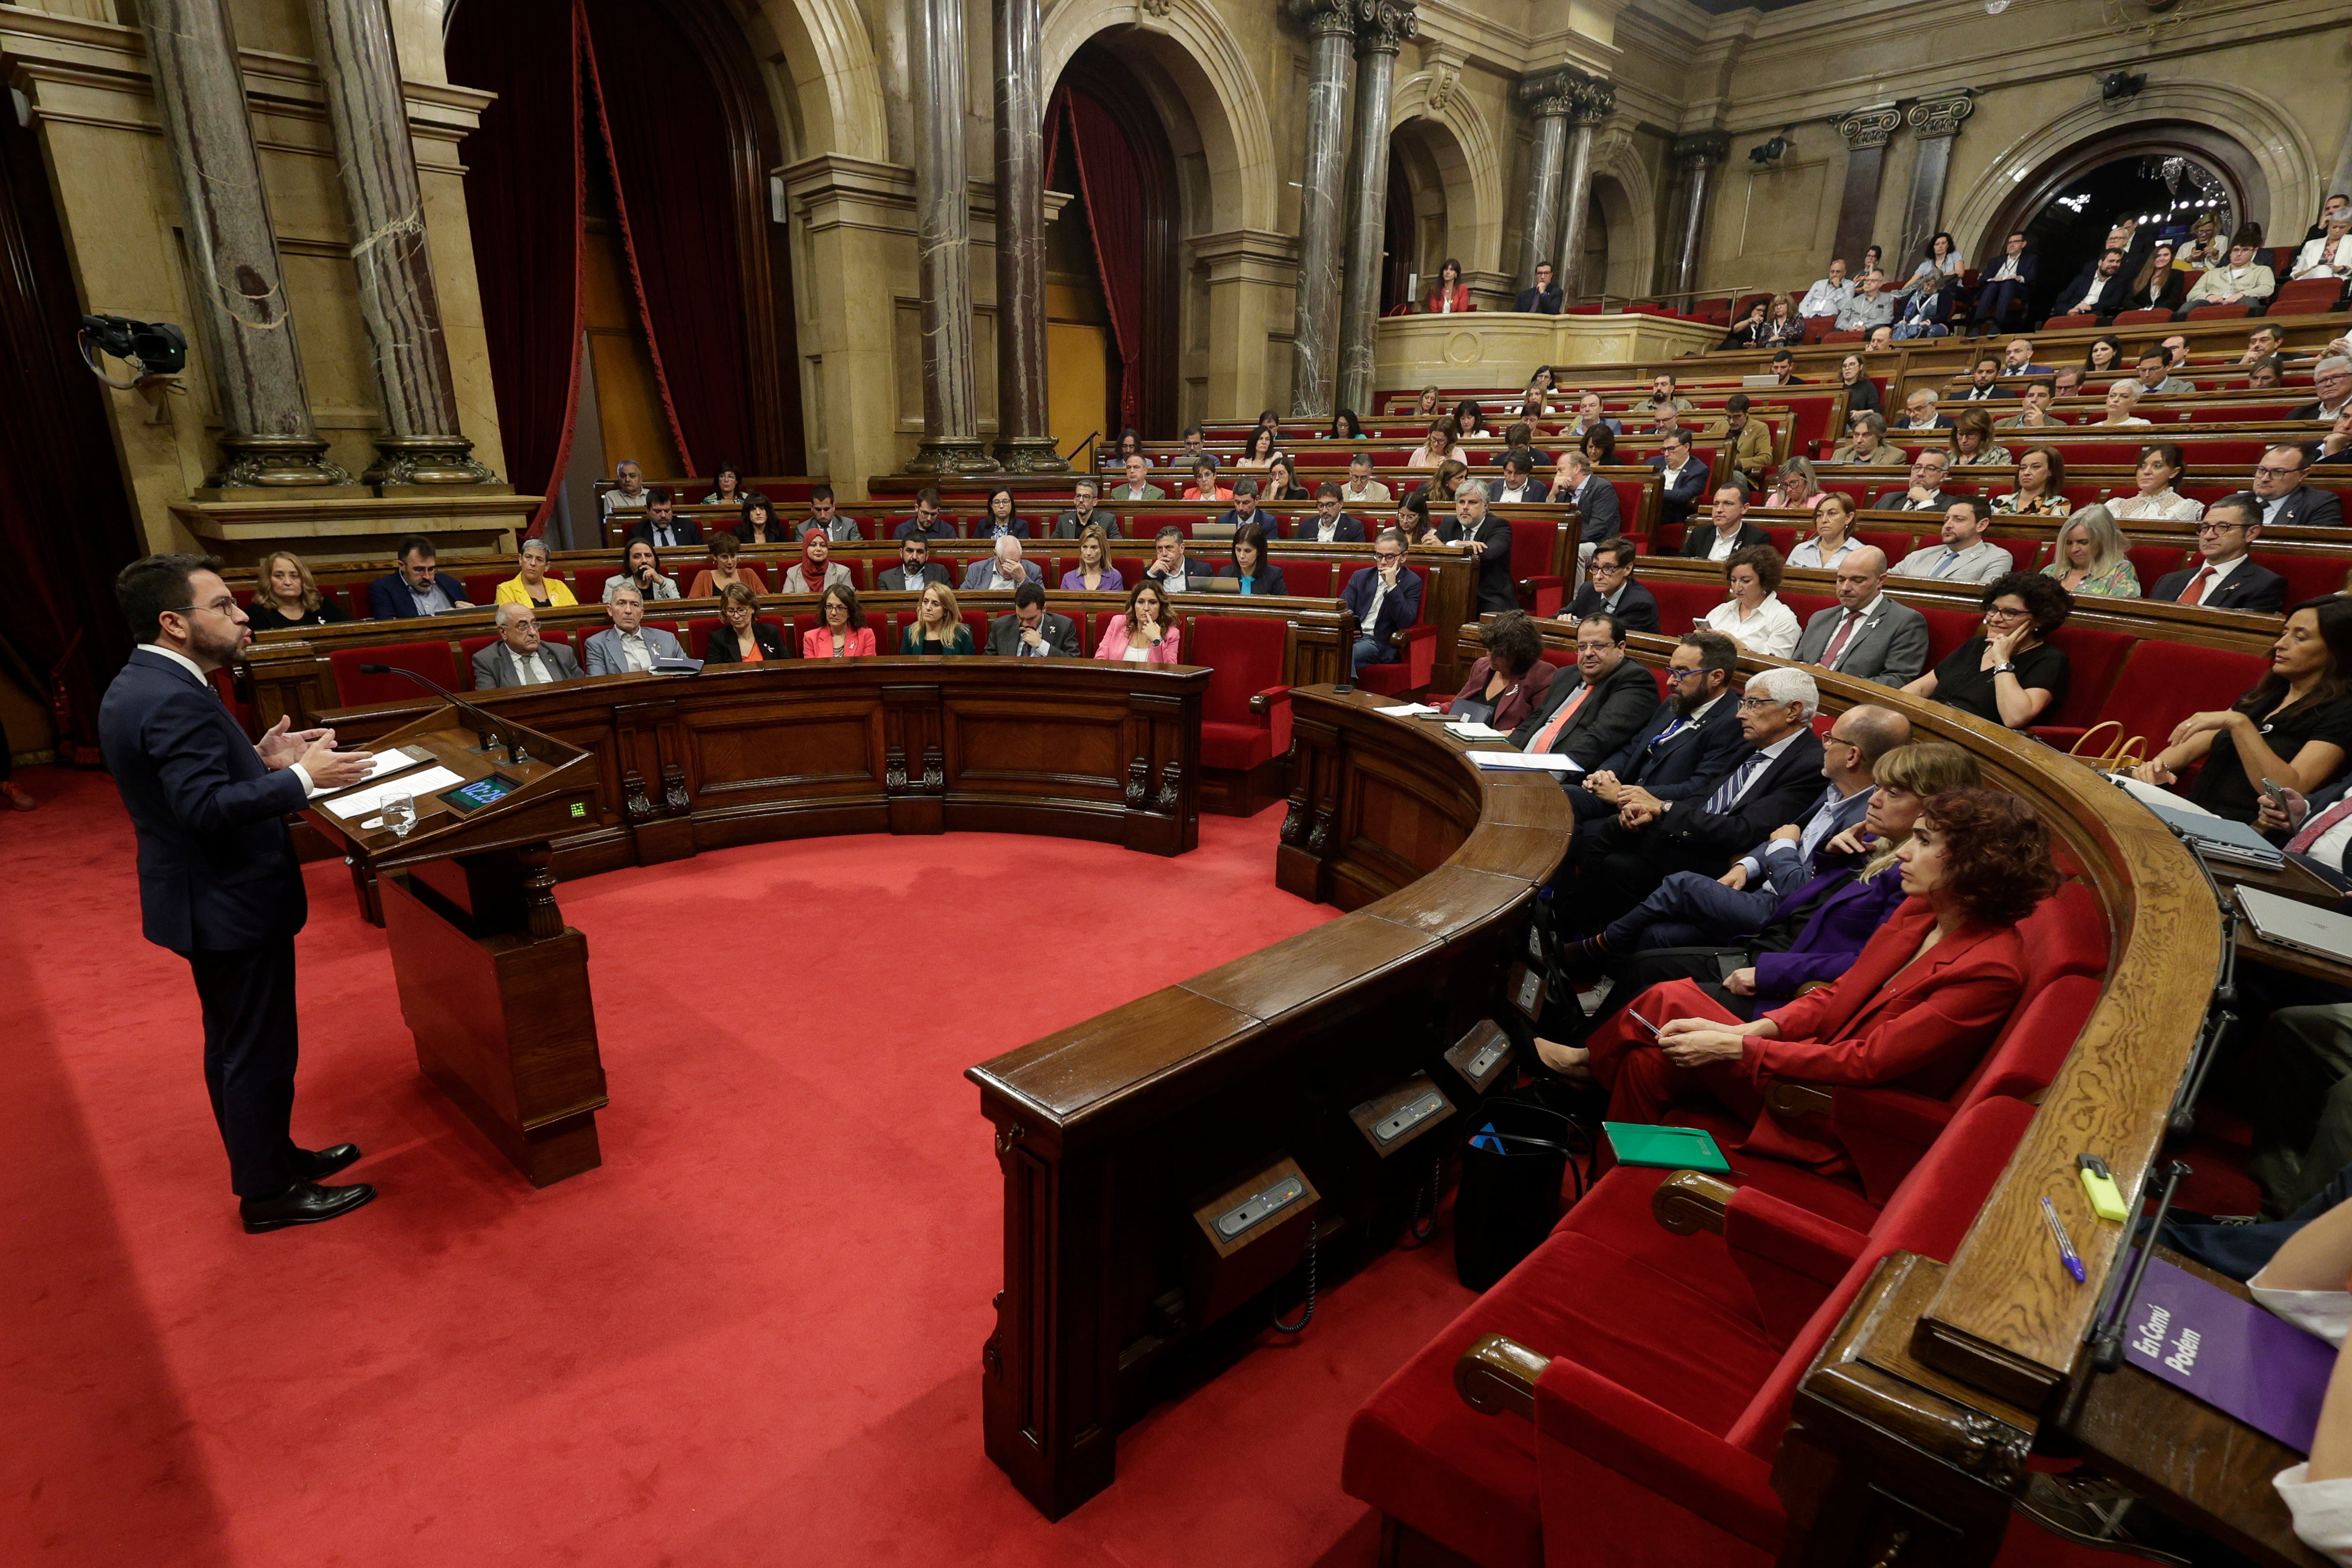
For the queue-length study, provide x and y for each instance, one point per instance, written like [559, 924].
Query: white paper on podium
[392, 761]
[1405, 710]
[1471, 729]
[367, 798]
[1525, 761]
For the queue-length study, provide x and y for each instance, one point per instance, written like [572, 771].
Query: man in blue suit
[416, 589]
[218, 883]
[1384, 599]
[1688, 745]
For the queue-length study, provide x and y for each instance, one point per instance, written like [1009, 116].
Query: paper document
[1405, 710]
[1471, 729]
[395, 760]
[368, 797]
[1524, 761]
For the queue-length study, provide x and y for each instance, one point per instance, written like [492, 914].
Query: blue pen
[2066, 1253]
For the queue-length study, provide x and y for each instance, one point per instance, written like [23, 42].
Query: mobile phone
[2277, 793]
[1646, 1023]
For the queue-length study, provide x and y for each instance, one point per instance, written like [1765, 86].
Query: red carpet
[753, 1336]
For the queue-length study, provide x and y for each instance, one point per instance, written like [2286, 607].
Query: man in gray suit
[520, 659]
[915, 568]
[629, 647]
[1032, 631]
[1004, 570]
[1926, 492]
[1867, 635]
[1595, 499]
[1138, 486]
[1074, 522]
[823, 515]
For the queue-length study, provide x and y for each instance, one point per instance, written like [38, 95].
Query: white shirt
[635, 653]
[429, 600]
[2329, 849]
[532, 666]
[1719, 548]
[1772, 754]
[1771, 631]
[2098, 286]
[197, 670]
[1861, 621]
[1808, 552]
[2221, 570]
[1825, 298]
[2167, 504]
[2008, 268]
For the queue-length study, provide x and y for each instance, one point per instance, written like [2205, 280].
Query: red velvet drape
[526, 190]
[1112, 185]
[663, 126]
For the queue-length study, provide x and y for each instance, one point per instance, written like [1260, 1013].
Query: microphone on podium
[485, 725]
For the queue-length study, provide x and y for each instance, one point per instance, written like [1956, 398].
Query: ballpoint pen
[2066, 1253]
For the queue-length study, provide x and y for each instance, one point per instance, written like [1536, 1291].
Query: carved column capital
[1594, 101]
[1550, 93]
[1934, 117]
[1322, 17]
[1702, 150]
[1383, 27]
[1869, 127]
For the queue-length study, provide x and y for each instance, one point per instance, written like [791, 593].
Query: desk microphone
[484, 724]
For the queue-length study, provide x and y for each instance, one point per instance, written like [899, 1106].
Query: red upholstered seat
[427, 659]
[1245, 713]
[227, 687]
[1541, 591]
[2220, 312]
[1682, 605]
[2308, 296]
[1819, 327]
[1130, 568]
[1307, 578]
[2152, 562]
[482, 587]
[2058, 323]
[1895, 545]
[1417, 659]
[588, 582]
[2143, 318]
[2160, 683]
[2307, 576]
[1947, 628]
[2094, 658]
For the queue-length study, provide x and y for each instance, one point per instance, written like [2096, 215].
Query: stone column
[951, 442]
[1546, 96]
[1025, 445]
[1381, 29]
[1936, 122]
[267, 444]
[1330, 78]
[1697, 156]
[421, 443]
[1592, 101]
[1865, 132]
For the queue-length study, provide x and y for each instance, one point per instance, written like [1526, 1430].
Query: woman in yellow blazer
[530, 585]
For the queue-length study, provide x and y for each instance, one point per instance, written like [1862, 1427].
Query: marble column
[950, 443]
[1697, 156]
[1331, 80]
[1592, 101]
[1546, 96]
[1025, 444]
[243, 320]
[1381, 29]
[1865, 132]
[1936, 122]
[421, 443]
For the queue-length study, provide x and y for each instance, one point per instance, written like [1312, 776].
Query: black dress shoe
[317, 1164]
[304, 1203]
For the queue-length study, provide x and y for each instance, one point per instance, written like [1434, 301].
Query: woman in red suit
[845, 634]
[1925, 997]
[1449, 294]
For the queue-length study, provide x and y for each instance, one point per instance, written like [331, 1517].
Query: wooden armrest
[1497, 1375]
[1691, 1201]
[1793, 1097]
[1410, 635]
[1267, 698]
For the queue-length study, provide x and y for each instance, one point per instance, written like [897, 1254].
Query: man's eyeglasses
[1608, 569]
[1749, 702]
[218, 607]
[2203, 529]
[1679, 675]
[2267, 472]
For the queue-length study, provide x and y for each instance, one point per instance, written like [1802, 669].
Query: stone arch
[1622, 189]
[2279, 171]
[829, 77]
[1461, 148]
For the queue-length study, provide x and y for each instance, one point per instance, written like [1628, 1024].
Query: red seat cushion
[1237, 747]
[429, 659]
[2094, 658]
[2307, 576]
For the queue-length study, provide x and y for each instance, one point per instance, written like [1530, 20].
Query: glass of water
[400, 814]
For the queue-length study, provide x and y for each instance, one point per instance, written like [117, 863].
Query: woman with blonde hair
[2090, 557]
[286, 594]
[1431, 404]
[939, 627]
[1799, 486]
[1783, 325]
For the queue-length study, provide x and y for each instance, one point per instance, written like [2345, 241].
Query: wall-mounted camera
[2117, 86]
[155, 351]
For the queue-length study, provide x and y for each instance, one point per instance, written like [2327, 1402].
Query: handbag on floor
[1509, 1198]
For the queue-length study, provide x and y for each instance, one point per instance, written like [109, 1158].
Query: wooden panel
[826, 746]
[1076, 746]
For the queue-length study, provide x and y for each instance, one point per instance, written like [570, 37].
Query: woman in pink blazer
[1145, 634]
[845, 634]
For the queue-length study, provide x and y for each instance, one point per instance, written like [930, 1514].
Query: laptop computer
[2219, 838]
[2303, 926]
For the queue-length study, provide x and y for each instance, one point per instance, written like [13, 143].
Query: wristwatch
[2004, 669]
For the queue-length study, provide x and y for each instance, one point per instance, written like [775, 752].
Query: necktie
[1837, 644]
[2195, 592]
[1559, 720]
[2316, 829]
[1727, 794]
[1945, 565]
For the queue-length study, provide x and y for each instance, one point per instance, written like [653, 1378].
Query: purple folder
[2235, 1356]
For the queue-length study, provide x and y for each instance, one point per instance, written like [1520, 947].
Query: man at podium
[218, 882]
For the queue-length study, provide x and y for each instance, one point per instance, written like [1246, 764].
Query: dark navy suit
[1399, 609]
[1690, 762]
[219, 886]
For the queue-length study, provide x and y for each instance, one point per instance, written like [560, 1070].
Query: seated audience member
[1862, 395]
[1942, 265]
[2156, 377]
[1431, 402]
[2336, 446]
[927, 524]
[2066, 380]
[2156, 287]
[1205, 486]
[2285, 500]
[760, 525]
[1144, 632]
[1870, 306]
[641, 570]
[2327, 257]
[1509, 678]
[1138, 486]
[2332, 380]
[1589, 417]
[1447, 292]
[2104, 357]
[1961, 553]
[1784, 364]
[2225, 578]
[1866, 634]
[1385, 599]
[1750, 332]
[2034, 411]
[1832, 536]
[1244, 512]
[1684, 478]
[822, 514]
[1599, 513]
[2099, 289]
[1000, 520]
[1540, 297]
[1984, 380]
[1919, 410]
[531, 584]
[1751, 442]
[1094, 573]
[629, 645]
[2090, 557]
[723, 573]
[1587, 714]
[1033, 631]
[1484, 537]
[1362, 489]
[1866, 442]
[2161, 468]
[2041, 487]
[816, 570]
[416, 589]
[1972, 441]
[938, 629]
[1264, 445]
[2295, 727]
[629, 496]
[2003, 283]
[1329, 525]
[1797, 484]
[2329, 211]
[844, 634]
[1172, 568]
[1599, 445]
[1927, 313]
[2263, 343]
[1610, 590]
[2123, 397]
[1682, 750]
[726, 486]
[661, 528]
[741, 637]
[1193, 440]
[1662, 398]
[2204, 248]
[2244, 281]
[1411, 520]
[1829, 294]
[2007, 674]
[1928, 471]
[287, 595]
[518, 658]
[1345, 426]
[1002, 571]
[1882, 340]
[915, 567]
[1519, 482]
[1281, 482]
[1752, 614]
[1248, 565]
[2017, 359]
[1976, 863]
[1724, 530]
[1439, 446]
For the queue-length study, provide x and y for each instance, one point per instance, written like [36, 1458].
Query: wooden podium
[493, 984]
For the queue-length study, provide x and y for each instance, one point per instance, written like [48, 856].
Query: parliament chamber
[1312, 786]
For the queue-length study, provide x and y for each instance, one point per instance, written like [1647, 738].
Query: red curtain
[663, 126]
[526, 190]
[1112, 185]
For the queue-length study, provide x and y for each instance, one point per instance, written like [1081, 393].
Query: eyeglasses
[1608, 569]
[1388, 558]
[1749, 702]
[2267, 472]
[2003, 612]
[2210, 528]
[218, 607]
[1679, 675]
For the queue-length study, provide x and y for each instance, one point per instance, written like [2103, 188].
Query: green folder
[1676, 1148]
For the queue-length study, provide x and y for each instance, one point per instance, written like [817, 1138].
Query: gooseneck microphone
[485, 725]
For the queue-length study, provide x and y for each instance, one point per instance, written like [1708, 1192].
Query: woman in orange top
[741, 638]
[1925, 997]
[722, 573]
[845, 634]
[1450, 293]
